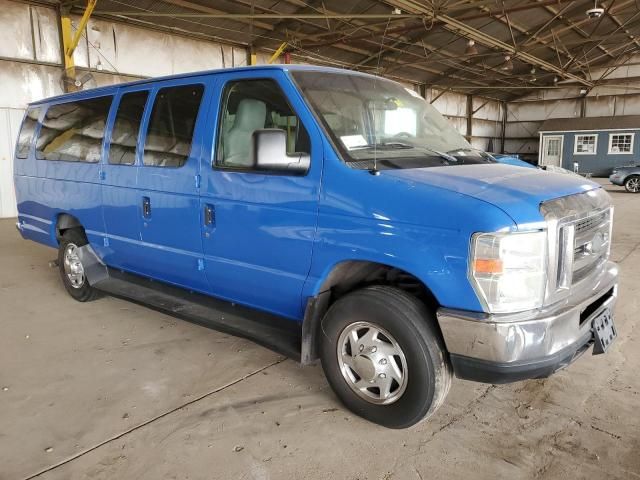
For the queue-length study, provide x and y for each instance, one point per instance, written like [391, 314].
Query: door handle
[209, 215]
[146, 207]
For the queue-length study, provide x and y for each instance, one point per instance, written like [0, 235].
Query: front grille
[591, 244]
[590, 223]
[579, 239]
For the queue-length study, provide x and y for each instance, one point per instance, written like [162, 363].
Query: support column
[70, 40]
[469, 118]
[503, 129]
[278, 52]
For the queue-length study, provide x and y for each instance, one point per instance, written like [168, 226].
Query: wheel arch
[63, 222]
[347, 276]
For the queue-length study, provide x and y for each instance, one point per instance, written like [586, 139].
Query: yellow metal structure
[70, 40]
[278, 52]
[253, 58]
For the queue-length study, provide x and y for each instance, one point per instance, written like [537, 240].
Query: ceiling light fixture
[471, 48]
[508, 63]
[596, 11]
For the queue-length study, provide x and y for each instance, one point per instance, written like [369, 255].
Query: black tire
[413, 327]
[84, 292]
[632, 184]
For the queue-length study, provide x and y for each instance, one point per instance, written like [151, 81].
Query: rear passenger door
[168, 182]
[120, 196]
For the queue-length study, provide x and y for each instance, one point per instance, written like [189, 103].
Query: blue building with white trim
[597, 145]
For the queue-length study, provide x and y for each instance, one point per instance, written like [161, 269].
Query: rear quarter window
[28, 128]
[73, 131]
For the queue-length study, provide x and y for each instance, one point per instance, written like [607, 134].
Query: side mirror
[270, 152]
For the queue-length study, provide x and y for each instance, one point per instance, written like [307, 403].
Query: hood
[515, 190]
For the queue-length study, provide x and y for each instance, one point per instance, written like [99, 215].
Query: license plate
[604, 331]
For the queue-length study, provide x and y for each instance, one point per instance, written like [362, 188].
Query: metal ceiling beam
[544, 42]
[482, 38]
[608, 37]
[622, 25]
[575, 26]
[420, 65]
[411, 42]
[519, 8]
[259, 16]
[284, 23]
[203, 10]
[596, 63]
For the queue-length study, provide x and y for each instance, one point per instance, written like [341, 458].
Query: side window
[250, 105]
[73, 131]
[124, 136]
[171, 126]
[26, 132]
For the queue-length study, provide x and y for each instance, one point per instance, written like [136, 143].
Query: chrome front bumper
[525, 341]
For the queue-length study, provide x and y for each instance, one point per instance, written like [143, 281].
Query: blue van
[328, 215]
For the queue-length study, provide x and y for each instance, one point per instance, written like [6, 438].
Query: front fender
[437, 257]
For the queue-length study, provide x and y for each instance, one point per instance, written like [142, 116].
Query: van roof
[109, 89]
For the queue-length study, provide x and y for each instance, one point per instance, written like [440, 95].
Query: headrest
[251, 115]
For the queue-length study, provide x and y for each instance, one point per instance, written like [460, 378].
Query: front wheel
[632, 184]
[383, 356]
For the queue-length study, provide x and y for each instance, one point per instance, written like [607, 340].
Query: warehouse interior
[496, 69]
[115, 390]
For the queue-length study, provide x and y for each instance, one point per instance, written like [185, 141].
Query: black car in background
[629, 177]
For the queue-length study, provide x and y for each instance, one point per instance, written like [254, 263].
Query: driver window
[250, 105]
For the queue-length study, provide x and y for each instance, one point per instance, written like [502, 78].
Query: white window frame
[595, 143]
[630, 152]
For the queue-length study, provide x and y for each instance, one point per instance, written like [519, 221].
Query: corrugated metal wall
[486, 117]
[10, 119]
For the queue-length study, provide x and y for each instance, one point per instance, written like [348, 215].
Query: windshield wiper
[465, 149]
[481, 153]
[384, 146]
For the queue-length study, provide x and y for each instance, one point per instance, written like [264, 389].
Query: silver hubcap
[73, 266]
[372, 363]
[633, 184]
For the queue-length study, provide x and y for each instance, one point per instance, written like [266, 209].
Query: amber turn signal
[482, 265]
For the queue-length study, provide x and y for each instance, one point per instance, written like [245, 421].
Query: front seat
[237, 143]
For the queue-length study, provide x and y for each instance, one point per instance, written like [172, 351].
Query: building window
[621, 143]
[586, 145]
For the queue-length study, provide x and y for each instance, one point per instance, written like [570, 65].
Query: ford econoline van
[328, 215]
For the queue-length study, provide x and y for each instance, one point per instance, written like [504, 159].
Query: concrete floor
[112, 390]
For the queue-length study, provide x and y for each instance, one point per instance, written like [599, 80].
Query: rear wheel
[71, 267]
[632, 184]
[384, 357]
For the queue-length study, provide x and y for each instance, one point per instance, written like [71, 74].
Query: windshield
[376, 121]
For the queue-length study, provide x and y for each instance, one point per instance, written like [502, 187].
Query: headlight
[509, 270]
